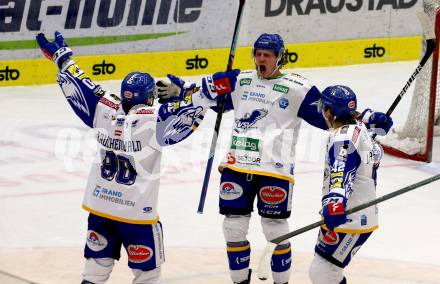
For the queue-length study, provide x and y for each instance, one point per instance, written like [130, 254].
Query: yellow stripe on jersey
[235, 249]
[261, 173]
[352, 231]
[108, 216]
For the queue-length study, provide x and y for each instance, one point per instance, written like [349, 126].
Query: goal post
[415, 139]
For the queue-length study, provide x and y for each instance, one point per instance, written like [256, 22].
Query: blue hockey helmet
[272, 42]
[138, 88]
[341, 100]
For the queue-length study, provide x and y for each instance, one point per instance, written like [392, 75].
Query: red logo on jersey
[231, 159]
[109, 103]
[118, 132]
[139, 254]
[145, 111]
[329, 238]
[273, 195]
[355, 136]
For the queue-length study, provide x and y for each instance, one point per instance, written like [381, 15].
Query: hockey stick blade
[221, 108]
[265, 258]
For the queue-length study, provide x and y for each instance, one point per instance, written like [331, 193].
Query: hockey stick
[221, 107]
[265, 259]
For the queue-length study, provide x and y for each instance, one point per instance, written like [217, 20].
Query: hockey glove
[174, 91]
[333, 210]
[377, 121]
[219, 83]
[57, 50]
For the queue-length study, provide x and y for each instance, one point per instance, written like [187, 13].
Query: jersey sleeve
[344, 159]
[176, 121]
[81, 92]
[200, 99]
[309, 111]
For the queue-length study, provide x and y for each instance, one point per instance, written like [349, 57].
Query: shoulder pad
[298, 80]
[351, 132]
[109, 101]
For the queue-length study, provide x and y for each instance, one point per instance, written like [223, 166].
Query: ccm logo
[196, 63]
[104, 68]
[374, 51]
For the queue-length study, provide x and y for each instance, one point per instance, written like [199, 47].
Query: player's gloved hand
[377, 121]
[219, 83]
[333, 210]
[174, 91]
[57, 50]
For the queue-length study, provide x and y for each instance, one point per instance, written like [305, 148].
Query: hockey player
[268, 107]
[351, 163]
[122, 188]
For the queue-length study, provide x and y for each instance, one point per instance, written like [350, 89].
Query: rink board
[206, 61]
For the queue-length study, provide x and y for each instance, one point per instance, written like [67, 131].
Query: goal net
[414, 140]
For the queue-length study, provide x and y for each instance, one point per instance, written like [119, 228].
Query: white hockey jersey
[351, 163]
[123, 183]
[124, 180]
[267, 117]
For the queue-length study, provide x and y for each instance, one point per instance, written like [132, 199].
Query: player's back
[351, 164]
[124, 179]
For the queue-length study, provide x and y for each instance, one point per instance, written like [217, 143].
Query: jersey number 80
[119, 168]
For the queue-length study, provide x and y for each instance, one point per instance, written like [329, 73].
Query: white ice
[41, 184]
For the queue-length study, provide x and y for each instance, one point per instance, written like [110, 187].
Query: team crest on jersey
[177, 127]
[73, 93]
[283, 103]
[249, 119]
[95, 241]
[139, 253]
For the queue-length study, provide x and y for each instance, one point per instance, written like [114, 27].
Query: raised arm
[80, 91]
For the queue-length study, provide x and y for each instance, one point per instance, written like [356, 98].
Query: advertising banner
[110, 38]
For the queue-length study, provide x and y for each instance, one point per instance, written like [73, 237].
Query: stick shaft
[359, 207]
[221, 107]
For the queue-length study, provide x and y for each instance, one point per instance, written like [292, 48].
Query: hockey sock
[239, 257]
[281, 262]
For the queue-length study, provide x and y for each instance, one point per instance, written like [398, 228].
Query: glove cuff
[365, 116]
[208, 88]
[61, 55]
